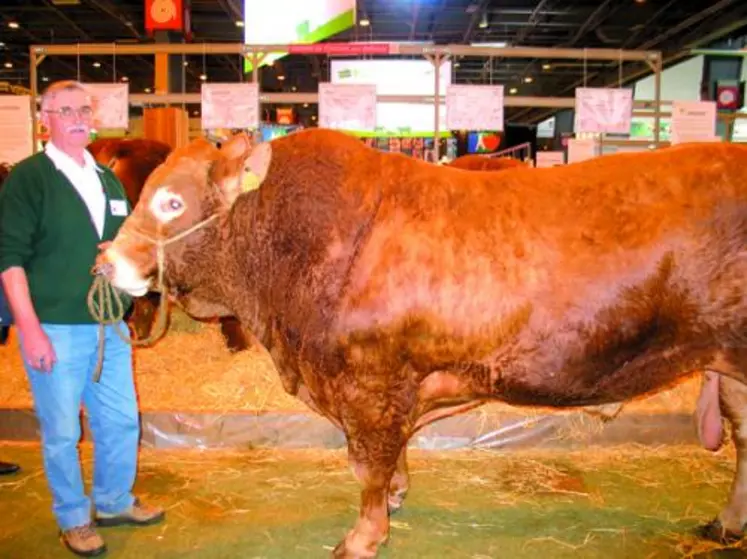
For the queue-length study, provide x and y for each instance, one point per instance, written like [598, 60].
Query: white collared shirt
[86, 181]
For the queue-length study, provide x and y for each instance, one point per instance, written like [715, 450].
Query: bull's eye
[166, 205]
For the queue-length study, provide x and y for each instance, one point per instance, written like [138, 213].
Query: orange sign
[164, 14]
[285, 115]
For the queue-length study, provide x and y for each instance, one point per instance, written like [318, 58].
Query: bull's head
[182, 199]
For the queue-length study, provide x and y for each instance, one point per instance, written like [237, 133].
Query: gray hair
[63, 85]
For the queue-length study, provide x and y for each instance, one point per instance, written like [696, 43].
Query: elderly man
[56, 209]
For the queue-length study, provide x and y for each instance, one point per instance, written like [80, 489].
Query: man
[56, 209]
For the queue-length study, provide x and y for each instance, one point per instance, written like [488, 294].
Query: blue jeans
[112, 413]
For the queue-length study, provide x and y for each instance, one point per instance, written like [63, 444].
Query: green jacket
[46, 228]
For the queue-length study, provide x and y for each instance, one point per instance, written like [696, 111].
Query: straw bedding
[190, 369]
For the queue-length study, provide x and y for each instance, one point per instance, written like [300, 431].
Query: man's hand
[37, 349]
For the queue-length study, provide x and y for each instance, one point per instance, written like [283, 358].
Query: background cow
[473, 162]
[392, 293]
[133, 160]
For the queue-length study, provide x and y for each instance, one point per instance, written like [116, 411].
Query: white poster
[581, 149]
[230, 105]
[693, 121]
[15, 128]
[550, 158]
[474, 107]
[347, 106]
[111, 104]
[603, 110]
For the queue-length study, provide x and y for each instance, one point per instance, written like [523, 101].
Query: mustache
[77, 128]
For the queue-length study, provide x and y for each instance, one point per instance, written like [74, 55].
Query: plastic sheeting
[307, 430]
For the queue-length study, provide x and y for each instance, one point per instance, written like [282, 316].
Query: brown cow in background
[474, 162]
[133, 160]
[401, 292]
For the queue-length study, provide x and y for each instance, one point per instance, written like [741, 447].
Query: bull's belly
[583, 382]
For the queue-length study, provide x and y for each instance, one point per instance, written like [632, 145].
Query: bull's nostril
[105, 269]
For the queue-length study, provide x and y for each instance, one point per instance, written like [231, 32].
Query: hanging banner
[474, 107]
[111, 104]
[163, 15]
[693, 121]
[603, 110]
[15, 128]
[230, 105]
[347, 106]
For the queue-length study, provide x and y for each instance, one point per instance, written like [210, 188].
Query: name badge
[118, 207]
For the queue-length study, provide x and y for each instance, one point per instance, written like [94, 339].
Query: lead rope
[105, 302]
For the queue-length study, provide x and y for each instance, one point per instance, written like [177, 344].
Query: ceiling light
[239, 23]
[364, 22]
[2, 44]
[13, 24]
[281, 77]
[546, 66]
[203, 77]
[305, 105]
[45, 79]
[528, 79]
[513, 90]
[185, 63]
[125, 79]
[8, 64]
[147, 90]
[97, 64]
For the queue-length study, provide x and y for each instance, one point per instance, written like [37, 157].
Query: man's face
[68, 118]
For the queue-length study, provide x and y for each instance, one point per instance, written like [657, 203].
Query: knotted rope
[105, 302]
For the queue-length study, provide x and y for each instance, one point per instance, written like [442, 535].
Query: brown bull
[133, 160]
[391, 292]
[472, 162]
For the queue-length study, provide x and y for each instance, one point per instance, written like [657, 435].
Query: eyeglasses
[68, 112]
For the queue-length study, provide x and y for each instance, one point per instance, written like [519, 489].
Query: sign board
[550, 158]
[230, 105]
[15, 128]
[693, 121]
[603, 110]
[111, 104]
[164, 14]
[347, 106]
[581, 149]
[474, 107]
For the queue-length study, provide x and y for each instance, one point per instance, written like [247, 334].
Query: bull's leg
[373, 457]
[400, 483]
[234, 335]
[729, 525]
[143, 313]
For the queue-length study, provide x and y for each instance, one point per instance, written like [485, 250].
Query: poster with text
[15, 128]
[474, 107]
[602, 110]
[111, 104]
[347, 106]
[693, 121]
[230, 105]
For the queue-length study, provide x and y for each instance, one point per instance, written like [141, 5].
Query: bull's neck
[234, 276]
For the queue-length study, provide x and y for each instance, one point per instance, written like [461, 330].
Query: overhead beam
[473, 20]
[391, 49]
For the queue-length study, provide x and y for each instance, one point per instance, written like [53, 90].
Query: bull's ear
[242, 166]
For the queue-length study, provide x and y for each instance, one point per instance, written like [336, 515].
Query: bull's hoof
[343, 552]
[715, 531]
[396, 501]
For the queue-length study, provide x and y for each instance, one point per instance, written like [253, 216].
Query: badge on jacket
[118, 207]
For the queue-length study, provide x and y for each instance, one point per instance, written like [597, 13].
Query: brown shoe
[83, 541]
[138, 515]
